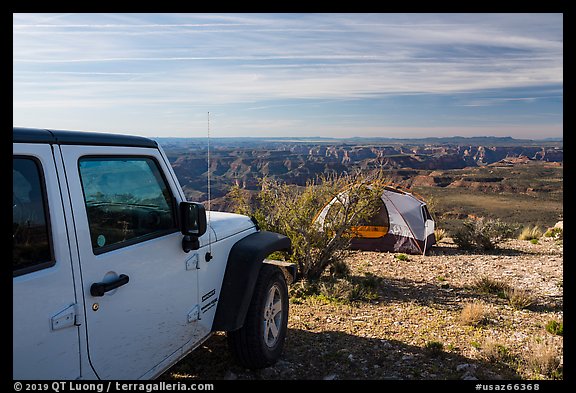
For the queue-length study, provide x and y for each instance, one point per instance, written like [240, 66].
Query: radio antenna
[209, 253]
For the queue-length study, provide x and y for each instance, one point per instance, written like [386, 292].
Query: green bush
[555, 327]
[556, 233]
[402, 257]
[483, 234]
[292, 210]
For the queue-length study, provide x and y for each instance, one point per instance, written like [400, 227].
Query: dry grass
[440, 234]
[494, 352]
[531, 233]
[474, 314]
[544, 359]
[491, 286]
[519, 299]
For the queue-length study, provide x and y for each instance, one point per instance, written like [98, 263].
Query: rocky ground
[414, 324]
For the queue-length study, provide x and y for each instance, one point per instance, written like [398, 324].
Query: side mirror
[192, 219]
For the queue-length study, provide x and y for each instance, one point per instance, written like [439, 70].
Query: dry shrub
[440, 234]
[544, 358]
[495, 352]
[490, 286]
[519, 299]
[483, 234]
[530, 233]
[474, 314]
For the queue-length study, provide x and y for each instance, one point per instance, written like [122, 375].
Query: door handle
[100, 288]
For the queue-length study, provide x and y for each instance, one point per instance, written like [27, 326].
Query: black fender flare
[242, 269]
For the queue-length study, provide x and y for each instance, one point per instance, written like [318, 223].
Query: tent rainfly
[401, 224]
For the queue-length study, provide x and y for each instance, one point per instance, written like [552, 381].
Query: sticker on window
[101, 240]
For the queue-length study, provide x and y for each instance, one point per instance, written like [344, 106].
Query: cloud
[266, 60]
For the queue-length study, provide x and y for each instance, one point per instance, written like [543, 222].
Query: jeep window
[127, 201]
[30, 234]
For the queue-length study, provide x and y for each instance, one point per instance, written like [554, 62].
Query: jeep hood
[228, 224]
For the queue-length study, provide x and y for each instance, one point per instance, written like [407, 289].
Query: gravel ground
[411, 328]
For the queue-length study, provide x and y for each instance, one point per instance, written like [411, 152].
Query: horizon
[291, 75]
[359, 137]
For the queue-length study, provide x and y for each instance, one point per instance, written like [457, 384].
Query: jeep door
[140, 294]
[46, 342]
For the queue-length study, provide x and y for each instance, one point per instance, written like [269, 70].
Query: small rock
[559, 224]
[407, 357]
[330, 377]
[469, 377]
[465, 367]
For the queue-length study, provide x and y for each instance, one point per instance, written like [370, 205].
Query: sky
[291, 75]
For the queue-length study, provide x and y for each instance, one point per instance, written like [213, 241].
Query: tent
[401, 224]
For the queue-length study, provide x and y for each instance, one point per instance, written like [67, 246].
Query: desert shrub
[483, 234]
[474, 314]
[555, 327]
[490, 286]
[544, 359]
[240, 200]
[530, 233]
[361, 293]
[519, 299]
[301, 290]
[439, 234]
[292, 210]
[556, 233]
[495, 352]
[335, 290]
[339, 269]
[369, 280]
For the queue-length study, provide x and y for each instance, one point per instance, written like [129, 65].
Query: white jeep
[117, 276]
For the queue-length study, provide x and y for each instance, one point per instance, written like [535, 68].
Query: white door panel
[45, 338]
[133, 328]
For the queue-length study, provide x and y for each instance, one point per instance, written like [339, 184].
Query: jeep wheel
[259, 343]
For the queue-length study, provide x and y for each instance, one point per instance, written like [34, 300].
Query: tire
[259, 343]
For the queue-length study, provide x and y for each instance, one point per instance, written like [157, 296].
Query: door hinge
[194, 314]
[192, 262]
[65, 318]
